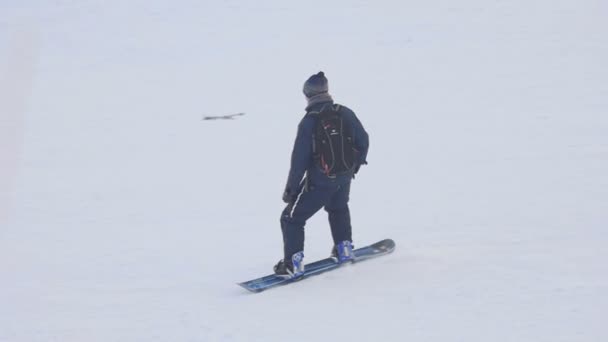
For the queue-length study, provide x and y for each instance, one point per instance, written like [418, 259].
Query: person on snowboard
[330, 146]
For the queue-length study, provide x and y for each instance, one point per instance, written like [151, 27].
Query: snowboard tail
[377, 249]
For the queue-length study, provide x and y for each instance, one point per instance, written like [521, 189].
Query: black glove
[357, 167]
[289, 197]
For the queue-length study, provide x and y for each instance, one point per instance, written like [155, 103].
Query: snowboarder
[330, 146]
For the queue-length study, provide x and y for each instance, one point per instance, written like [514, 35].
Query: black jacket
[302, 162]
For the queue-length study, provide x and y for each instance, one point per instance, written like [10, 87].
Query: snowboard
[379, 248]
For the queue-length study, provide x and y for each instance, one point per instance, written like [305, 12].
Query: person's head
[315, 85]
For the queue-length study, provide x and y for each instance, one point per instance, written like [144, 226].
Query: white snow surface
[125, 217]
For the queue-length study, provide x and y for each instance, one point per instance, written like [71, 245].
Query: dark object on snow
[223, 117]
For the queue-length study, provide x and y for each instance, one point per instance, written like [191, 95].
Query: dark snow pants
[309, 201]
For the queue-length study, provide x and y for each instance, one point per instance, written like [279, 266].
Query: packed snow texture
[126, 217]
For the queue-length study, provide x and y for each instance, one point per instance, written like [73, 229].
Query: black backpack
[333, 143]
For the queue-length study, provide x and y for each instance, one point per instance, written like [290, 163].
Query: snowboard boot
[343, 252]
[291, 270]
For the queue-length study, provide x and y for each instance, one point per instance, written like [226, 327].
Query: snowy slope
[124, 217]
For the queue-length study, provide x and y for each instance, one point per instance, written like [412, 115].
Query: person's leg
[339, 215]
[295, 215]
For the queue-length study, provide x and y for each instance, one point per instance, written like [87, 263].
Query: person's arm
[300, 159]
[361, 141]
